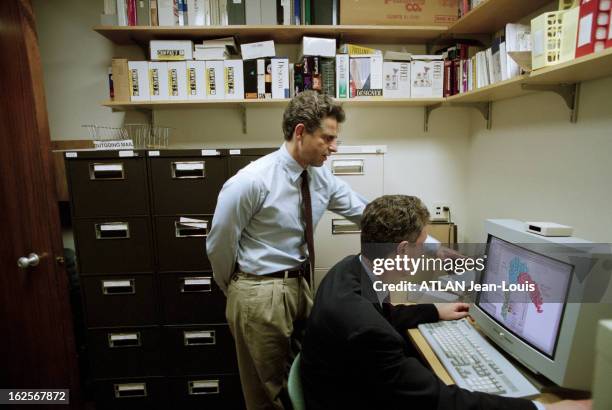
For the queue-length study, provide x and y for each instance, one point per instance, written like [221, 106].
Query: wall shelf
[356, 102]
[492, 15]
[141, 35]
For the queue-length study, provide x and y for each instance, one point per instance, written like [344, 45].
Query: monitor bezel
[500, 324]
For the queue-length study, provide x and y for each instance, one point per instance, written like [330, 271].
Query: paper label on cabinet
[71, 155]
[209, 152]
[235, 152]
[584, 30]
[203, 281]
[126, 153]
[123, 336]
[154, 153]
[112, 145]
[189, 166]
[117, 283]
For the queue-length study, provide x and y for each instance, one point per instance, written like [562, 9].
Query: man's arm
[344, 201]
[236, 204]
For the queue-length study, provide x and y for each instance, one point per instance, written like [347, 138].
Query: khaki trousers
[267, 318]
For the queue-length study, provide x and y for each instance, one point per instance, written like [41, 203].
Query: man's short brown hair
[389, 220]
[310, 108]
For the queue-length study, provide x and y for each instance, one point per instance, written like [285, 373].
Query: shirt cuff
[539, 406]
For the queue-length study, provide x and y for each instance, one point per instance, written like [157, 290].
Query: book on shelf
[121, 82]
[215, 82]
[158, 80]
[279, 68]
[396, 79]
[366, 76]
[354, 49]
[138, 77]
[328, 76]
[196, 80]
[250, 79]
[177, 80]
[342, 77]
[233, 79]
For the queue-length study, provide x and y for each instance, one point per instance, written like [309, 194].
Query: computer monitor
[547, 329]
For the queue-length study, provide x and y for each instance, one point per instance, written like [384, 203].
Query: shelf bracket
[428, 110]
[243, 115]
[569, 92]
[484, 108]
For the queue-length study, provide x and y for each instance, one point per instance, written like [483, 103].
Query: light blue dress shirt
[258, 220]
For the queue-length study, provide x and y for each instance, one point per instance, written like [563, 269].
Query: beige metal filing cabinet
[362, 167]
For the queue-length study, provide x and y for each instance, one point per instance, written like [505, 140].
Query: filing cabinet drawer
[335, 238]
[199, 349]
[125, 352]
[206, 392]
[119, 300]
[189, 298]
[108, 186]
[363, 172]
[117, 244]
[236, 163]
[181, 243]
[186, 185]
[135, 393]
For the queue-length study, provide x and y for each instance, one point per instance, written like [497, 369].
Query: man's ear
[298, 131]
[404, 247]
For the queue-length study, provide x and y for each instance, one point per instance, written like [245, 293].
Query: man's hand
[570, 405]
[452, 311]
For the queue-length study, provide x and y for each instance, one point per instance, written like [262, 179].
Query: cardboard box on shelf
[399, 12]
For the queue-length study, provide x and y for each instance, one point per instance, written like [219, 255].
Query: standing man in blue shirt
[261, 243]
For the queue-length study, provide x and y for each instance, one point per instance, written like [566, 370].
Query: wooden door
[36, 335]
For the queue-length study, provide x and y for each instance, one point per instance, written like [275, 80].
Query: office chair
[296, 394]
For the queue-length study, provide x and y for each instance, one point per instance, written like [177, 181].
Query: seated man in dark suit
[354, 354]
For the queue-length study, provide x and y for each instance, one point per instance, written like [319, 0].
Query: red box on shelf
[593, 26]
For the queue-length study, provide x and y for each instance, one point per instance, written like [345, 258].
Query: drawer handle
[118, 287]
[191, 229]
[347, 166]
[196, 284]
[188, 169]
[199, 338]
[124, 340]
[343, 227]
[113, 230]
[203, 387]
[126, 390]
[104, 172]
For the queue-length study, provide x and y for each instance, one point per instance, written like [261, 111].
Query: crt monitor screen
[525, 314]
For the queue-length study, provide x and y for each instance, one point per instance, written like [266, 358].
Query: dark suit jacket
[354, 355]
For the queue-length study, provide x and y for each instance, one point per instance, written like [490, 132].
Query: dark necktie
[308, 216]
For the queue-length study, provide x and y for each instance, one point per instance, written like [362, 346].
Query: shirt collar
[293, 168]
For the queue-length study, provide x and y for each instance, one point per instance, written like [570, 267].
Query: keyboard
[473, 362]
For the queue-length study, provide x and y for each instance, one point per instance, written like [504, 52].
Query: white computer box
[261, 49]
[396, 79]
[280, 78]
[177, 80]
[196, 80]
[427, 76]
[138, 76]
[215, 82]
[366, 75]
[171, 50]
[234, 80]
[158, 80]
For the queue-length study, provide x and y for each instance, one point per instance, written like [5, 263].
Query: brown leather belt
[303, 270]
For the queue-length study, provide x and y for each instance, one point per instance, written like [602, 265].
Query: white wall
[536, 165]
